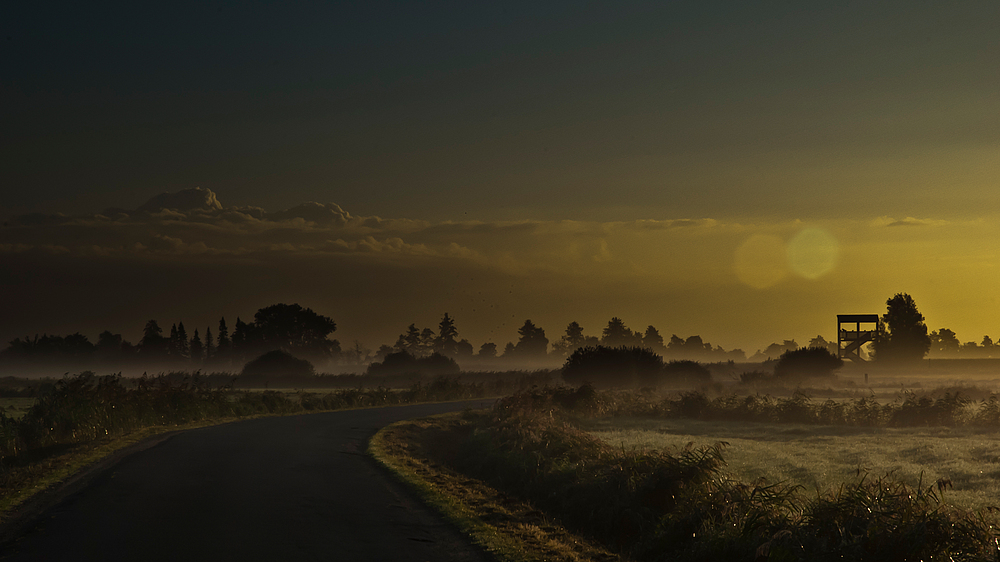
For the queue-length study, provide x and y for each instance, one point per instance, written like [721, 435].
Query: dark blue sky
[501, 110]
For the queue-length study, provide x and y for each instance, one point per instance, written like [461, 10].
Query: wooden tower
[849, 341]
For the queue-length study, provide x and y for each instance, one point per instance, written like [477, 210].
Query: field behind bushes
[821, 458]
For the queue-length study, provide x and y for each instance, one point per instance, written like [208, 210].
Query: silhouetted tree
[445, 341]
[179, 347]
[153, 345]
[737, 355]
[617, 334]
[944, 342]
[573, 339]
[676, 344]
[653, 340]
[574, 335]
[971, 349]
[297, 329]
[224, 348]
[110, 348]
[463, 348]
[196, 348]
[694, 347]
[241, 341]
[382, 352]
[488, 351]
[409, 341]
[66, 351]
[903, 334]
[172, 344]
[775, 350]
[509, 350]
[807, 362]
[533, 342]
[695, 344]
[209, 347]
[427, 338]
[820, 342]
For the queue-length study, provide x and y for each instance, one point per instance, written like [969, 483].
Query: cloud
[329, 213]
[908, 221]
[185, 200]
[370, 244]
[194, 222]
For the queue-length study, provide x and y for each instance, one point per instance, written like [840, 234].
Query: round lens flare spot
[813, 253]
[760, 261]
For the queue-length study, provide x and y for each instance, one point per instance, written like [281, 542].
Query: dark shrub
[807, 362]
[687, 372]
[397, 363]
[613, 366]
[277, 364]
[403, 363]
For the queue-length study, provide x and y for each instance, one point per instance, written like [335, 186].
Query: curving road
[289, 488]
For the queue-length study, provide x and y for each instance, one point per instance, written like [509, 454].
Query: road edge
[499, 546]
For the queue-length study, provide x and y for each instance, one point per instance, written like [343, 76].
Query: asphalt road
[289, 488]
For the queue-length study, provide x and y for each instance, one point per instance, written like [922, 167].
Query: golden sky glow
[737, 284]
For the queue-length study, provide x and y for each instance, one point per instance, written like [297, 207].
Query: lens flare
[813, 253]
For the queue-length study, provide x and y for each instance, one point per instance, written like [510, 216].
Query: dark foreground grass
[83, 418]
[651, 505]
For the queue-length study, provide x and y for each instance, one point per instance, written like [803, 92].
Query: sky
[744, 171]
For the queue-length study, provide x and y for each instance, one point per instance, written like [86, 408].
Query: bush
[807, 362]
[687, 372]
[277, 364]
[613, 366]
[403, 363]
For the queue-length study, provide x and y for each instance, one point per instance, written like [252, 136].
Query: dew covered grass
[821, 458]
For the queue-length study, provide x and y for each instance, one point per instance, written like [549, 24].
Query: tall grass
[651, 505]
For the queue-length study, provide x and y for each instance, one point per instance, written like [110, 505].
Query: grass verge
[417, 452]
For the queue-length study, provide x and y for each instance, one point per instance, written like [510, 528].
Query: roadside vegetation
[682, 503]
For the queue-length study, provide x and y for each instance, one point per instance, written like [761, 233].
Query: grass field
[824, 457]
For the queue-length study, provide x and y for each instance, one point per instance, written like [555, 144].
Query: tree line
[533, 344]
[298, 330]
[305, 333]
